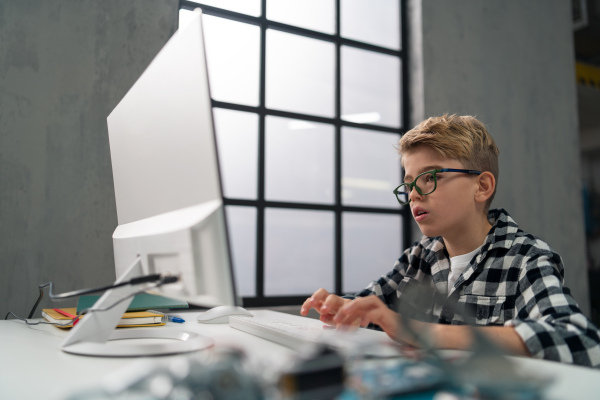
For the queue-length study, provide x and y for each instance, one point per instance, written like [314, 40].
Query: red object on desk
[66, 314]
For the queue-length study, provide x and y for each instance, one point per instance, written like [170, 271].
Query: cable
[134, 281]
[27, 321]
[162, 280]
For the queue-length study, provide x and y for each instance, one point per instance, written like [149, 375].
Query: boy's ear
[487, 184]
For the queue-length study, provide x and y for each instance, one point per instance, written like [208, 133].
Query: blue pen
[168, 317]
[175, 319]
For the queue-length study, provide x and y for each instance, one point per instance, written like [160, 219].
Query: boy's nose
[414, 194]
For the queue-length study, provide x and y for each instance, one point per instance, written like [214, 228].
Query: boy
[478, 266]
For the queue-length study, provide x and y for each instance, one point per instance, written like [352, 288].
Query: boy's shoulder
[506, 239]
[505, 234]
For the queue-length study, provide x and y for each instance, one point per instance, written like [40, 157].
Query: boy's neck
[467, 240]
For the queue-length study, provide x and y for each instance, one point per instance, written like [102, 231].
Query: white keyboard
[279, 331]
[298, 332]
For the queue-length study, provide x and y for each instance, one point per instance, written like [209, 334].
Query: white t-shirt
[458, 265]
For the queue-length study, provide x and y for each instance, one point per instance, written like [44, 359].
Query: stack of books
[64, 317]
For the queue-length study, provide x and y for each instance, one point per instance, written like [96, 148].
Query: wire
[134, 281]
[88, 310]
[162, 280]
[27, 321]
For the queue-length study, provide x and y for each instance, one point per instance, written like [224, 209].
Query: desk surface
[33, 366]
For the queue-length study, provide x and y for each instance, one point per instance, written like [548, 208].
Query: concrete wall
[64, 65]
[511, 64]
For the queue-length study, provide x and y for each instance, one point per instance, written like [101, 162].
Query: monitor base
[95, 333]
[182, 342]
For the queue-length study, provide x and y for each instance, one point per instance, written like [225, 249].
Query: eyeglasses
[425, 183]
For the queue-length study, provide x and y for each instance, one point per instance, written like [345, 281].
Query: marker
[66, 314]
[168, 317]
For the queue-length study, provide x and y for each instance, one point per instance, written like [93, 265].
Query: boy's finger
[305, 306]
[327, 319]
[332, 304]
[315, 301]
[357, 309]
[320, 295]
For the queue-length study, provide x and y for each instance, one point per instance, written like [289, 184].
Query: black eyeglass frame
[433, 172]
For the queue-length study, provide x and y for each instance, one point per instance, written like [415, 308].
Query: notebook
[141, 302]
[130, 319]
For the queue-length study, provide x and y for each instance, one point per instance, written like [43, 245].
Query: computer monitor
[169, 197]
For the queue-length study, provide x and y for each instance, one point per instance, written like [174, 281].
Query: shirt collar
[501, 236]
[503, 232]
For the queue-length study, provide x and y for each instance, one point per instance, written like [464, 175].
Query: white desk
[33, 367]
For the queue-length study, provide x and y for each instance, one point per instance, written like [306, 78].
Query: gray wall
[64, 65]
[511, 64]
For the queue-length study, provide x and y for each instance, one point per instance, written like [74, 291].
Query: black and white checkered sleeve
[549, 320]
[386, 287]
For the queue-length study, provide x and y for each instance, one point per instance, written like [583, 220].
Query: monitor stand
[95, 334]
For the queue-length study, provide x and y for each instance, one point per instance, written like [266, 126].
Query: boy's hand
[348, 314]
[325, 304]
[368, 310]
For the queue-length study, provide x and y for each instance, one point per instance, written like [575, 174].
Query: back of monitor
[168, 194]
[166, 175]
[162, 141]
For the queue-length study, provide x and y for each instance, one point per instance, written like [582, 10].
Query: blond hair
[462, 138]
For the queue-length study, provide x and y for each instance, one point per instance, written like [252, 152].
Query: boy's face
[451, 208]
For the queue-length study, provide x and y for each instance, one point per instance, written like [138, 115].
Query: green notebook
[141, 302]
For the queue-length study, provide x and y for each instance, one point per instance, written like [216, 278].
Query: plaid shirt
[514, 280]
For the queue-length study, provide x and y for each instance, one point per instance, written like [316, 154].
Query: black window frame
[261, 204]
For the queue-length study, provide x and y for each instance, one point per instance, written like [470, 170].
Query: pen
[168, 317]
[66, 314]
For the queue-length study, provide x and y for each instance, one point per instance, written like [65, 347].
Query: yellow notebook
[129, 320]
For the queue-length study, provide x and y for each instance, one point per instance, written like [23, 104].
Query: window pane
[250, 7]
[299, 161]
[371, 245]
[241, 223]
[370, 168]
[300, 74]
[370, 87]
[372, 21]
[237, 140]
[233, 58]
[299, 251]
[317, 15]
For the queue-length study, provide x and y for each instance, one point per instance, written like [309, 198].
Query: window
[309, 104]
